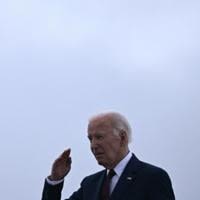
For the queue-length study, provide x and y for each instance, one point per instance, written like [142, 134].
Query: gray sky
[63, 61]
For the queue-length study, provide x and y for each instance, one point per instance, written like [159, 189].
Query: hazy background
[63, 61]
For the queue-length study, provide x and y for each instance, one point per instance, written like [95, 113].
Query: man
[124, 178]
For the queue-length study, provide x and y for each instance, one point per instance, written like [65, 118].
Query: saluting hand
[61, 166]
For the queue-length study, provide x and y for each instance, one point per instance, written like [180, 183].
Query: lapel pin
[129, 178]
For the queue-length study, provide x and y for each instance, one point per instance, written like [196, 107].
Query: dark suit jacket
[139, 181]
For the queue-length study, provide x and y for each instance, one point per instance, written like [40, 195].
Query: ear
[123, 137]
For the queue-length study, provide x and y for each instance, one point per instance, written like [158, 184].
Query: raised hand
[61, 166]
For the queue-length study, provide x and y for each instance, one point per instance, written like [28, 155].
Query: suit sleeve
[53, 192]
[160, 187]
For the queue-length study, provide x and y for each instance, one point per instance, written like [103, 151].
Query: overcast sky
[63, 61]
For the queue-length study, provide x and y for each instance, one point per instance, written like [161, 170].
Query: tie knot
[111, 173]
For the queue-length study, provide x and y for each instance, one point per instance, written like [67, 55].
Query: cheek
[115, 149]
[111, 150]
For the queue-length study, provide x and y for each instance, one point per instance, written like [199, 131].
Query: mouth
[98, 155]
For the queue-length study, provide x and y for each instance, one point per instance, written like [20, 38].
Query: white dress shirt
[118, 170]
[54, 182]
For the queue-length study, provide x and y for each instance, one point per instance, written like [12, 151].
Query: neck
[123, 155]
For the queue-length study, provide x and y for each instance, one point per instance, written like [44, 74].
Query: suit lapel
[96, 191]
[127, 179]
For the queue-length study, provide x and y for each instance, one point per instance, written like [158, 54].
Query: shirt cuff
[54, 182]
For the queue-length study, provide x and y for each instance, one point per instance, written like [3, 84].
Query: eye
[99, 137]
[90, 138]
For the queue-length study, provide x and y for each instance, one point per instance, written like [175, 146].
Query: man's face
[106, 146]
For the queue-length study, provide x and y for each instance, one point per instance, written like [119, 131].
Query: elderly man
[124, 178]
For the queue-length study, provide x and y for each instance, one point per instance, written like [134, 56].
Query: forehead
[100, 124]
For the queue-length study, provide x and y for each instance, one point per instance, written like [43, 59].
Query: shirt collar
[119, 168]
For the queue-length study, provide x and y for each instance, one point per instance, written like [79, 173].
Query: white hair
[118, 121]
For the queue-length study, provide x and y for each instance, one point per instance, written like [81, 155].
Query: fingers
[64, 158]
[69, 161]
[65, 154]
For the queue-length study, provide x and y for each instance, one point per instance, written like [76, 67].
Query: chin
[100, 162]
